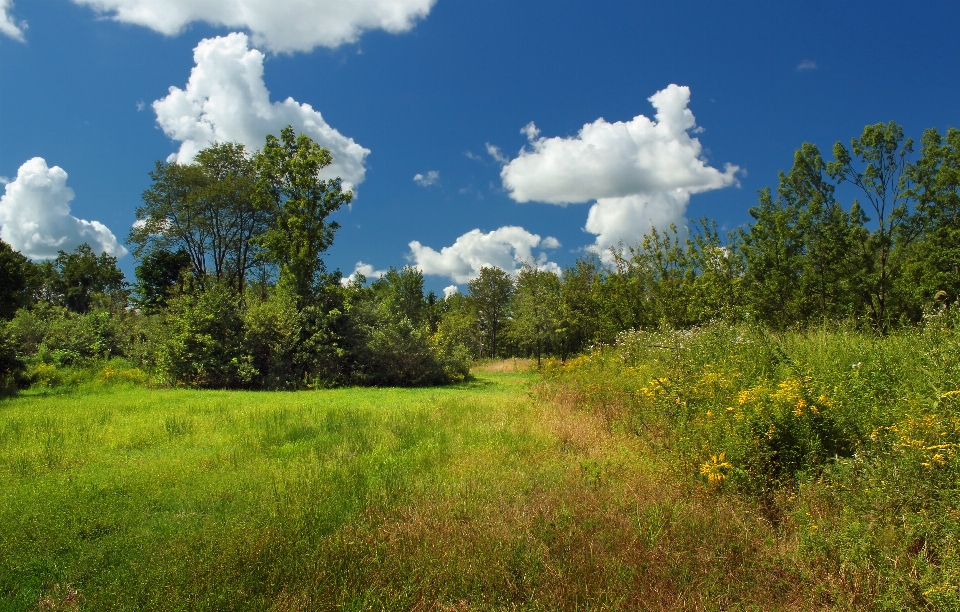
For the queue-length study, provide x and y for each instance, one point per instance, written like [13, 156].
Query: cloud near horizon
[507, 248]
[226, 100]
[35, 215]
[366, 270]
[639, 173]
[281, 26]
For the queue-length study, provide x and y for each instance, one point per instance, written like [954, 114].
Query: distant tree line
[231, 289]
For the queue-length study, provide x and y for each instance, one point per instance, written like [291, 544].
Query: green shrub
[53, 335]
[13, 369]
[399, 354]
[272, 330]
[202, 343]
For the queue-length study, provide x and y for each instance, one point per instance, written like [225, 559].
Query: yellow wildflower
[716, 469]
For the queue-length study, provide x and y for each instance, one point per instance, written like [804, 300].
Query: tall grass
[845, 442]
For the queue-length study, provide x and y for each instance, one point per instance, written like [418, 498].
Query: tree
[537, 307]
[581, 307]
[934, 263]
[773, 250]
[82, 275]
[880, 173]
[400, 295]
[209, 209]
[298, 202]
[158, 274]
[13, 280]
[489, 296]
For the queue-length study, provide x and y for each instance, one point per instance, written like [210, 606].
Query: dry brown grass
[508, 366]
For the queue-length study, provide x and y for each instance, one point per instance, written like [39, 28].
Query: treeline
[882, 259]
[231, 290]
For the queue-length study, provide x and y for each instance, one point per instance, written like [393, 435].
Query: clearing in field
[483, 495]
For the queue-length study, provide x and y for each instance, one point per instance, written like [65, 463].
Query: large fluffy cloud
[639, 172]
[35, 215]
[507, 248]
[278, 25]
[227, 100]
[7, 25]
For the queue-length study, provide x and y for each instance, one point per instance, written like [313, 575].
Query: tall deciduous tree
[581, 309]
[82, 275]
[934, 264]
[158, 275]
[537, 307]
[299, 202]
[877, 167]
[489, 296]
[209, 209]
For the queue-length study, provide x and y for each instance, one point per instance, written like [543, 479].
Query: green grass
[483, 495]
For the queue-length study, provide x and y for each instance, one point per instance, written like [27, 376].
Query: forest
[231, 290]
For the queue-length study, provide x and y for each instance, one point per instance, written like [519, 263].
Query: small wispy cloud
[425, 180]
[495, 152]
[140, 105]
[807, 65]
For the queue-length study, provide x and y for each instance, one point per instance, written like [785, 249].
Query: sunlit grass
[484, 495]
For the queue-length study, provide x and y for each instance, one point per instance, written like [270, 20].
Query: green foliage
[82, 281]
[203, 343]
[13, 280]
[932, 263]
[211, 210]
[53, 335]
[159, 275]
[299, 203]
[398, 353]
[537, 303]
[272, 332]
[879, 168]
[13, 369]
[489, 296]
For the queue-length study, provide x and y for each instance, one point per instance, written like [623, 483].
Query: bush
[203, 342]
[50, 334]
[13, 369]
[399, 354]
[272, 330]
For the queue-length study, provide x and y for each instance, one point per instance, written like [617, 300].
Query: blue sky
[447, 90]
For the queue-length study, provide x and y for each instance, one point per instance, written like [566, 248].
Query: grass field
[483, 495]
[717, 468]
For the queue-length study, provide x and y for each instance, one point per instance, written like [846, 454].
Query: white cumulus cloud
[506, 248]
[282, 26]
[35, 215]
[7, 24]
[425, 180]
[450, 290]
[637, 172]
[362, 268]
[226, 100]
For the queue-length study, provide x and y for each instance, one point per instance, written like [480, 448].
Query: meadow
[719, 468]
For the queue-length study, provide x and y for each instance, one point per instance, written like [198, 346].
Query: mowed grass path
[483, 495]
